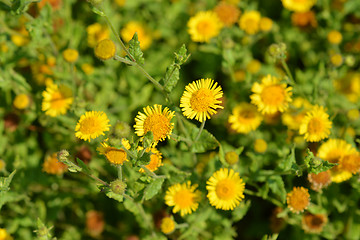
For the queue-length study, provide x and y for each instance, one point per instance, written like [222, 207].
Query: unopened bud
[118, 186]
[63, 155]
[231, 157]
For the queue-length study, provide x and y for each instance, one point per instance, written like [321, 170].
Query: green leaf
[239, 212]
[317, 165]
[135, 50]
[117, 197]
[144, 159]
[20, 6]
[97, 11]
[84, 167]
[277, 186]
[173, 174]
[289, 161]
[4, 7]
[205, 142]
[5, 182]
[172, 76]
[153, 188]
[181, 56]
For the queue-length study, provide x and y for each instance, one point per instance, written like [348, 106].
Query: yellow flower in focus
[225, 189]
[91, 125]
[105, 49]
[336, 60]
[253, 66]
[333, 151]
[313, 223]
[265, 24]
[204, 26]
[298, 5]
[95, 33]
[133, 27]
[155, 160]
[315, 125]
[4, 235]
[56, 100]
[52, 165]
[183, 197]
[349, 86]
[167, 225]
[200, 99]
[156, 120]
[334, 37]
[298, 199]
[70, 55]
[227, 13]
[87, 68]
[114, 155]
[271, 96]
[250, 22]
[21, 101]
[245, 118]
[260, 145]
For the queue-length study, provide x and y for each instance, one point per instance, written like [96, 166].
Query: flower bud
[118, 186]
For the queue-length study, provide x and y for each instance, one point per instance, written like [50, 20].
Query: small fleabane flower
[21, 101]
[250, 22]
[91, 125]
[70, 55]
[95, 33]
[231, 157]
[260, 145]
[105, 49]
[350, 163]
[227, 13]
[320, 180]
[253, 66]
[87, 68]
[56, 99]
[313, 223]
[156, 120]
[336, 59]
[271, 96]
[155, 159]
[298, 199]
[225, 189]
[183, 197]
[114, 155]
[316, 125]
[204, 26]
[4, 235]
[167, 225]
[52, 165]
[245, 118]
[266, 24]
[298, 5]
[200, 99]
[334, 37]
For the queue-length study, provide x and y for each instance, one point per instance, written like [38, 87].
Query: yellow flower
[240, 75]
[232, 157]
[120, 3]
[204, 26]
[155, 120]
[87, 68]
[271, 96]
[200, 99]
[334, 37]
[95, 33]
[4, 235]
[183, 197]
[313, 223]
[298, 199]
[349, 86]
[350, 163]
[320, 180]
[167, 225]
[70, 55]
[250, 22]
[52, 165]
[20, 37]
[91, 125]
[253, 66]
[260, 145]
[114, 155]
[56, 99]
[105, 49]
[304, 19]
[336, 59]
[225, 189]
[155, 160]
[245, 118]
[265, 24]
[333, 151]
[227, 13]
[144, 36]
[21, 101]
[298, 5]
[315, 125]
[296, 113]
[353, 114]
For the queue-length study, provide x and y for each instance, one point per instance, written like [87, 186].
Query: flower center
[273, 95]
[57, 100]
[89, 125]
[158, 124]
[315, 126]
[201, 100]
[225, 189]
[183, 198]
[116, 156]
[316, 221]
[246, 116]
[205, 27]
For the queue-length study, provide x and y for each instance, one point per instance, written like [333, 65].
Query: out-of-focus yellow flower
[70, 55]
[260, 145]
[304, 19]
[298, 5]
[250, 22]
[266, 24]
[204, 26]
[3, 47]
[293, 117]
[52, 165]
[349, 86]
[105, 49]
[334, 37]
[143, 33]
[21, 38]
[120, 3]
[227, 13]
[240, 75]
[336, 59]
[95, 33]
[313, 223]
[87, 68]
[167, 225]
[253, 66]
[21, 101]
[245, 118]
[353, 114]
[56, 100]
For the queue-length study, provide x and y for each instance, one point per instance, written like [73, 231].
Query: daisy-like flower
[56, 100]
[313, 223]
[4, 235]
[298, 199]
[114, 155]
[155, 160]
[349, 86]
[204, 26]
[250, 22]
[333, 151]
[183, 197]
[271, 96]
[156, 120]
[91, 125]
[320, 180]
[350, 163]
[245, 118]
[200, 99]
[316, 125]
[52, 165]
[225, 189]
[167, 225]
[298, 5]
[297, 111]
[227, 13]
[95, 33]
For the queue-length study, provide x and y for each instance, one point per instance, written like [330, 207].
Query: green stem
[119, 167]
[287, 70]
[151, 173]
[97, 179]
[151, 79]
[181, 138]
[201, 129]
[273, 200]
[123, 60]
[182, 225]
